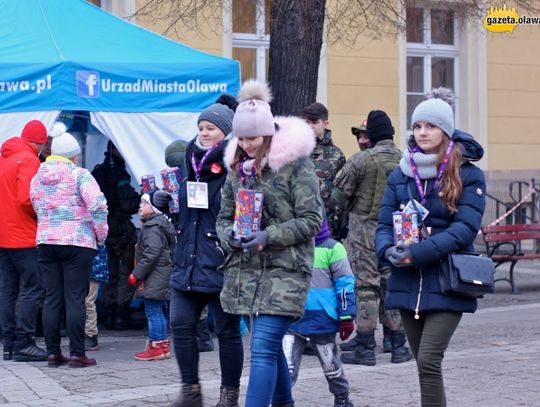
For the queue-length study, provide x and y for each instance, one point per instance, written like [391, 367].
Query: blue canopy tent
[141, 89]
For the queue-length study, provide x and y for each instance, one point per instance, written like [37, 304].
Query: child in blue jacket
[330, 308]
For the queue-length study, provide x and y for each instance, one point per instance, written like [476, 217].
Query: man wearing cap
[358, 189]
[327, 157]
[20, 275]
[360, 133]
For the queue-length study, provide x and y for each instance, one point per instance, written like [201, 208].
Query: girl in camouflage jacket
[267, 272]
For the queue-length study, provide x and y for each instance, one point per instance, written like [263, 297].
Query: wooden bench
[504, 245]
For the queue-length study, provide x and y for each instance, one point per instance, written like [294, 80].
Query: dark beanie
[379, 127]
[175, 153]
[220, 115]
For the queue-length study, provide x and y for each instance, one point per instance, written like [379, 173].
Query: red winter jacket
[18, 164]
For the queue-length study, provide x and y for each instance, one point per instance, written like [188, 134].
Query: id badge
[197, 195]
[410, 208]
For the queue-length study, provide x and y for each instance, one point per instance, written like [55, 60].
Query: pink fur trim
[294, 139]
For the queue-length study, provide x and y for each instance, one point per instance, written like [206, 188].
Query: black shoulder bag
[465, 274]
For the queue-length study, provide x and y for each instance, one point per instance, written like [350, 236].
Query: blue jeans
[186, 307]
[269, 379]
[157, 326]
[21, 282]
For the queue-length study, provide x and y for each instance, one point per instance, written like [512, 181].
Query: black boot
[400, 353]
[283, 405]
[8, 349]
[342, 400]
[228, 396]
[26, 350]
[351, 345]
[364, 354]
[190, 396]
[110, 316]
[387, 341]
[123, 319]
[204, 337]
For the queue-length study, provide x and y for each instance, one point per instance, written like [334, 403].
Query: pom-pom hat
[63, 143]
[253, 116]
[437, 112]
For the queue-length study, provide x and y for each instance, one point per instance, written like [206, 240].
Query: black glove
[390, 256]
[234, 244]
[404, 255]
[257, 240]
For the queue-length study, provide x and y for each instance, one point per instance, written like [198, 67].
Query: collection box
[171, 185]
[406, 230]
[248, 212]
[148, 183]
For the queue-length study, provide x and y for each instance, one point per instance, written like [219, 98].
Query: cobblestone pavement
[493, 360]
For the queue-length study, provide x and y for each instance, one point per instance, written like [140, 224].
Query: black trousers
[66, 274]
[185, 310]
[20, 282]
[429, 337]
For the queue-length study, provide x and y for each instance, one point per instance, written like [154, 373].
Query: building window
[432, 53]
[251, 36]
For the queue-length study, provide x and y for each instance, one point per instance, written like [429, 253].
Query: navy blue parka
[198, 255]
[417, 288]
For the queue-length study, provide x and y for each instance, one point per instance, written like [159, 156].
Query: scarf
[426, 165]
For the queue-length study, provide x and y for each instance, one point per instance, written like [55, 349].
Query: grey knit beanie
[437, 112]
[220, 115]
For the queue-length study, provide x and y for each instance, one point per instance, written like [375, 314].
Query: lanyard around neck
[416, 176]
[197, 168]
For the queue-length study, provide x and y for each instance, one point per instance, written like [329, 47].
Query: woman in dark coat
[437, 171]
[197, 278]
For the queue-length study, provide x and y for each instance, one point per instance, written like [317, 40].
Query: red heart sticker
[216, 168]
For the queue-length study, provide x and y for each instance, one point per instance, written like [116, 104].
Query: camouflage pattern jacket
[276, 280]
[328, 160]
[360, 185]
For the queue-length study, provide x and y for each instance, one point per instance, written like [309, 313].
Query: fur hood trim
[293, 140]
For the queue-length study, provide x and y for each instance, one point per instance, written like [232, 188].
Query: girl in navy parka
[437, 171]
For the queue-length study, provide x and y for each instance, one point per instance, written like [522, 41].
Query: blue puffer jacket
[198, 256]
[450, 233]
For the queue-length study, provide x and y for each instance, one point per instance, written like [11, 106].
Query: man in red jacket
[20, 275]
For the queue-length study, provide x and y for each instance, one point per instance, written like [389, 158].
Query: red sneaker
[166, 346]
[154, 351]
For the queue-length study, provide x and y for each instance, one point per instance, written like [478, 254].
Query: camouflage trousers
[371, 278]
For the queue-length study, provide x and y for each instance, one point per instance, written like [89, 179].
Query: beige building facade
[495, 75]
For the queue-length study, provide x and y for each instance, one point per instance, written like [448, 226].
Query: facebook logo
[87, 84]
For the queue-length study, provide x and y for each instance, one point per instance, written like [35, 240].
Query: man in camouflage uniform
[327, 157]
[123, 202]
[359, 189]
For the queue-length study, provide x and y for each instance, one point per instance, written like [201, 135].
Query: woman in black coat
[197, 278]
[437, 171]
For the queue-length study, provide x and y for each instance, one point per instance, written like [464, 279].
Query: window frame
[427, 51]
[260, 40]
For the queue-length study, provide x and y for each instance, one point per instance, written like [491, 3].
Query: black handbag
[465, 274]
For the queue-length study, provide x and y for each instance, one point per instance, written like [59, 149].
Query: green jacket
[360, 185]
[275, 281]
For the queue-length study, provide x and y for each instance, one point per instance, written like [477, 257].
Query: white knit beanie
[437, 112]
[63, 143]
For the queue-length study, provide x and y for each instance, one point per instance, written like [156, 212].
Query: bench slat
[507, 237]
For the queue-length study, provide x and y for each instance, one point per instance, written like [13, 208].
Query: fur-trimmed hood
[293, 140]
